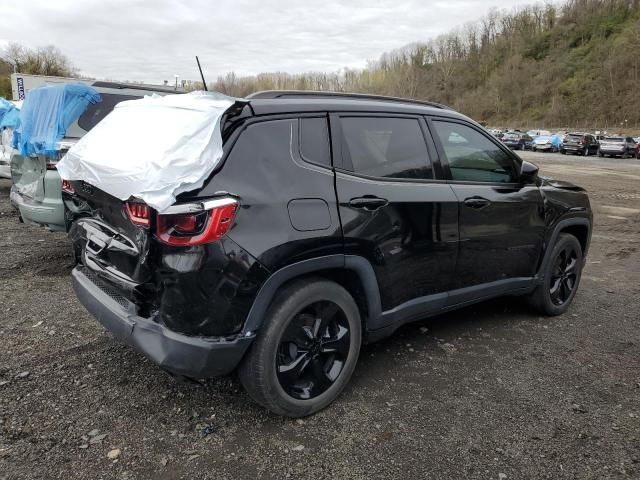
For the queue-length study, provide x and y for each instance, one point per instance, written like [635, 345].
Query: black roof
[287, 101]
[134, 86]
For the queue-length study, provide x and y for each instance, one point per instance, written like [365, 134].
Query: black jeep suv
[332, 220]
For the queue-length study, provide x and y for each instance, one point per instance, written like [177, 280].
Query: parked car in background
[537, 133]
[283, 274]
[579, 143]
[517, 140]
[638, 149]
[36, 190]
[617, 146]
[546, 143]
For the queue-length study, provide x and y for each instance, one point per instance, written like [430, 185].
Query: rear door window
[314, 140]
[385, 147]
[473, 157]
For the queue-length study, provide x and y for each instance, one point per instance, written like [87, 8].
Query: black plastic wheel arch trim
[359, 265]
[557, 229]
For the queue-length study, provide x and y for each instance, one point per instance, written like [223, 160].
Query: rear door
[394, 207]
[501, 220]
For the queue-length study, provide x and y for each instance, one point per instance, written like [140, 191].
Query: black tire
[543, 298]
[586, 152]
[600, 154]
[265, 378]
[563, 152]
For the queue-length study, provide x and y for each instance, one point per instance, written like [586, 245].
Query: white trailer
[22, 83]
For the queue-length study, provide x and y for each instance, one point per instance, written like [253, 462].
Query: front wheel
[306, 351]
[561, 277]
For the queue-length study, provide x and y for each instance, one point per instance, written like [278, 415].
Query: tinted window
[475, 158]
[96, 112]
[314, 140]
[386, 147]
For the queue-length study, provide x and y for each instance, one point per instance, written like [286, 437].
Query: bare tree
[47, 60]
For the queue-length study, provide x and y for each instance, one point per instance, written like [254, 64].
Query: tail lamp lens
[187, 229]
[66, 187]
[138, 213]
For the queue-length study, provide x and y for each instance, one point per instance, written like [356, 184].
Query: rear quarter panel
[266, 171]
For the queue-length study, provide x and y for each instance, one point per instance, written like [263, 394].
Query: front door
[501, 220]
[393, 208]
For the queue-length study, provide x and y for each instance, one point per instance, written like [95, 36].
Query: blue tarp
[9, 114]
[554, 140]
[46, 114]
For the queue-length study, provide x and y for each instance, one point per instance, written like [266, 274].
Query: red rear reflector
[138, 213]
[66, 187]
[187, 229]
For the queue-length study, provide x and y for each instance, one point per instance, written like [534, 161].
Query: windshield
[613, 139]
[511, 136]
[574, 136]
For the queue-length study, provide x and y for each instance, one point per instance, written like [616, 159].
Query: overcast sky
[153, 40]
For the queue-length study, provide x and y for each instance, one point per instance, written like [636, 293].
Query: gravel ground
[489, 392]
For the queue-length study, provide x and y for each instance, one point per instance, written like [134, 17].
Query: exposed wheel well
[581, 232]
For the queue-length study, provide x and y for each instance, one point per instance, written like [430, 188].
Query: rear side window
[314, 141]
[473, 157]
[386, 147]
[96, 112]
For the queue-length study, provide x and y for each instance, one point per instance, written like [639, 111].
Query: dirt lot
[490, 392]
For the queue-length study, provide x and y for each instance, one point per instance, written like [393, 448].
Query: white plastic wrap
[153, 149]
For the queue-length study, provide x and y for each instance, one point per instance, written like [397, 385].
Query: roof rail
[272, 94]
[133, 86]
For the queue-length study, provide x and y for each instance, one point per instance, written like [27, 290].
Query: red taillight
[138, 213]
[205, 226]
[66, 187]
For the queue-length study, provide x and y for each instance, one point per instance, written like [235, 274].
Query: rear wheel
[306, 350]
[561, 277]
[586, 151]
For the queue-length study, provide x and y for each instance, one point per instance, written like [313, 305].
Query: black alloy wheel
[313, 350]
[562, 272]
[306, 349]
[564, 275]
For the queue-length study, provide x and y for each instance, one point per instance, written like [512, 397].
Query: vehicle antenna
[204, 84]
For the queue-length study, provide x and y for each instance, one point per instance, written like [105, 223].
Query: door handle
[369, 203]
[477, 202]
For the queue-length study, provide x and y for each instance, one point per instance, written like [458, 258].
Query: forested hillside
[573, 65]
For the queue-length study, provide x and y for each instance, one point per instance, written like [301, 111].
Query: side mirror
[528, 172]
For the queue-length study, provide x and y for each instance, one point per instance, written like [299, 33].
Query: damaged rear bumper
[194, 357]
